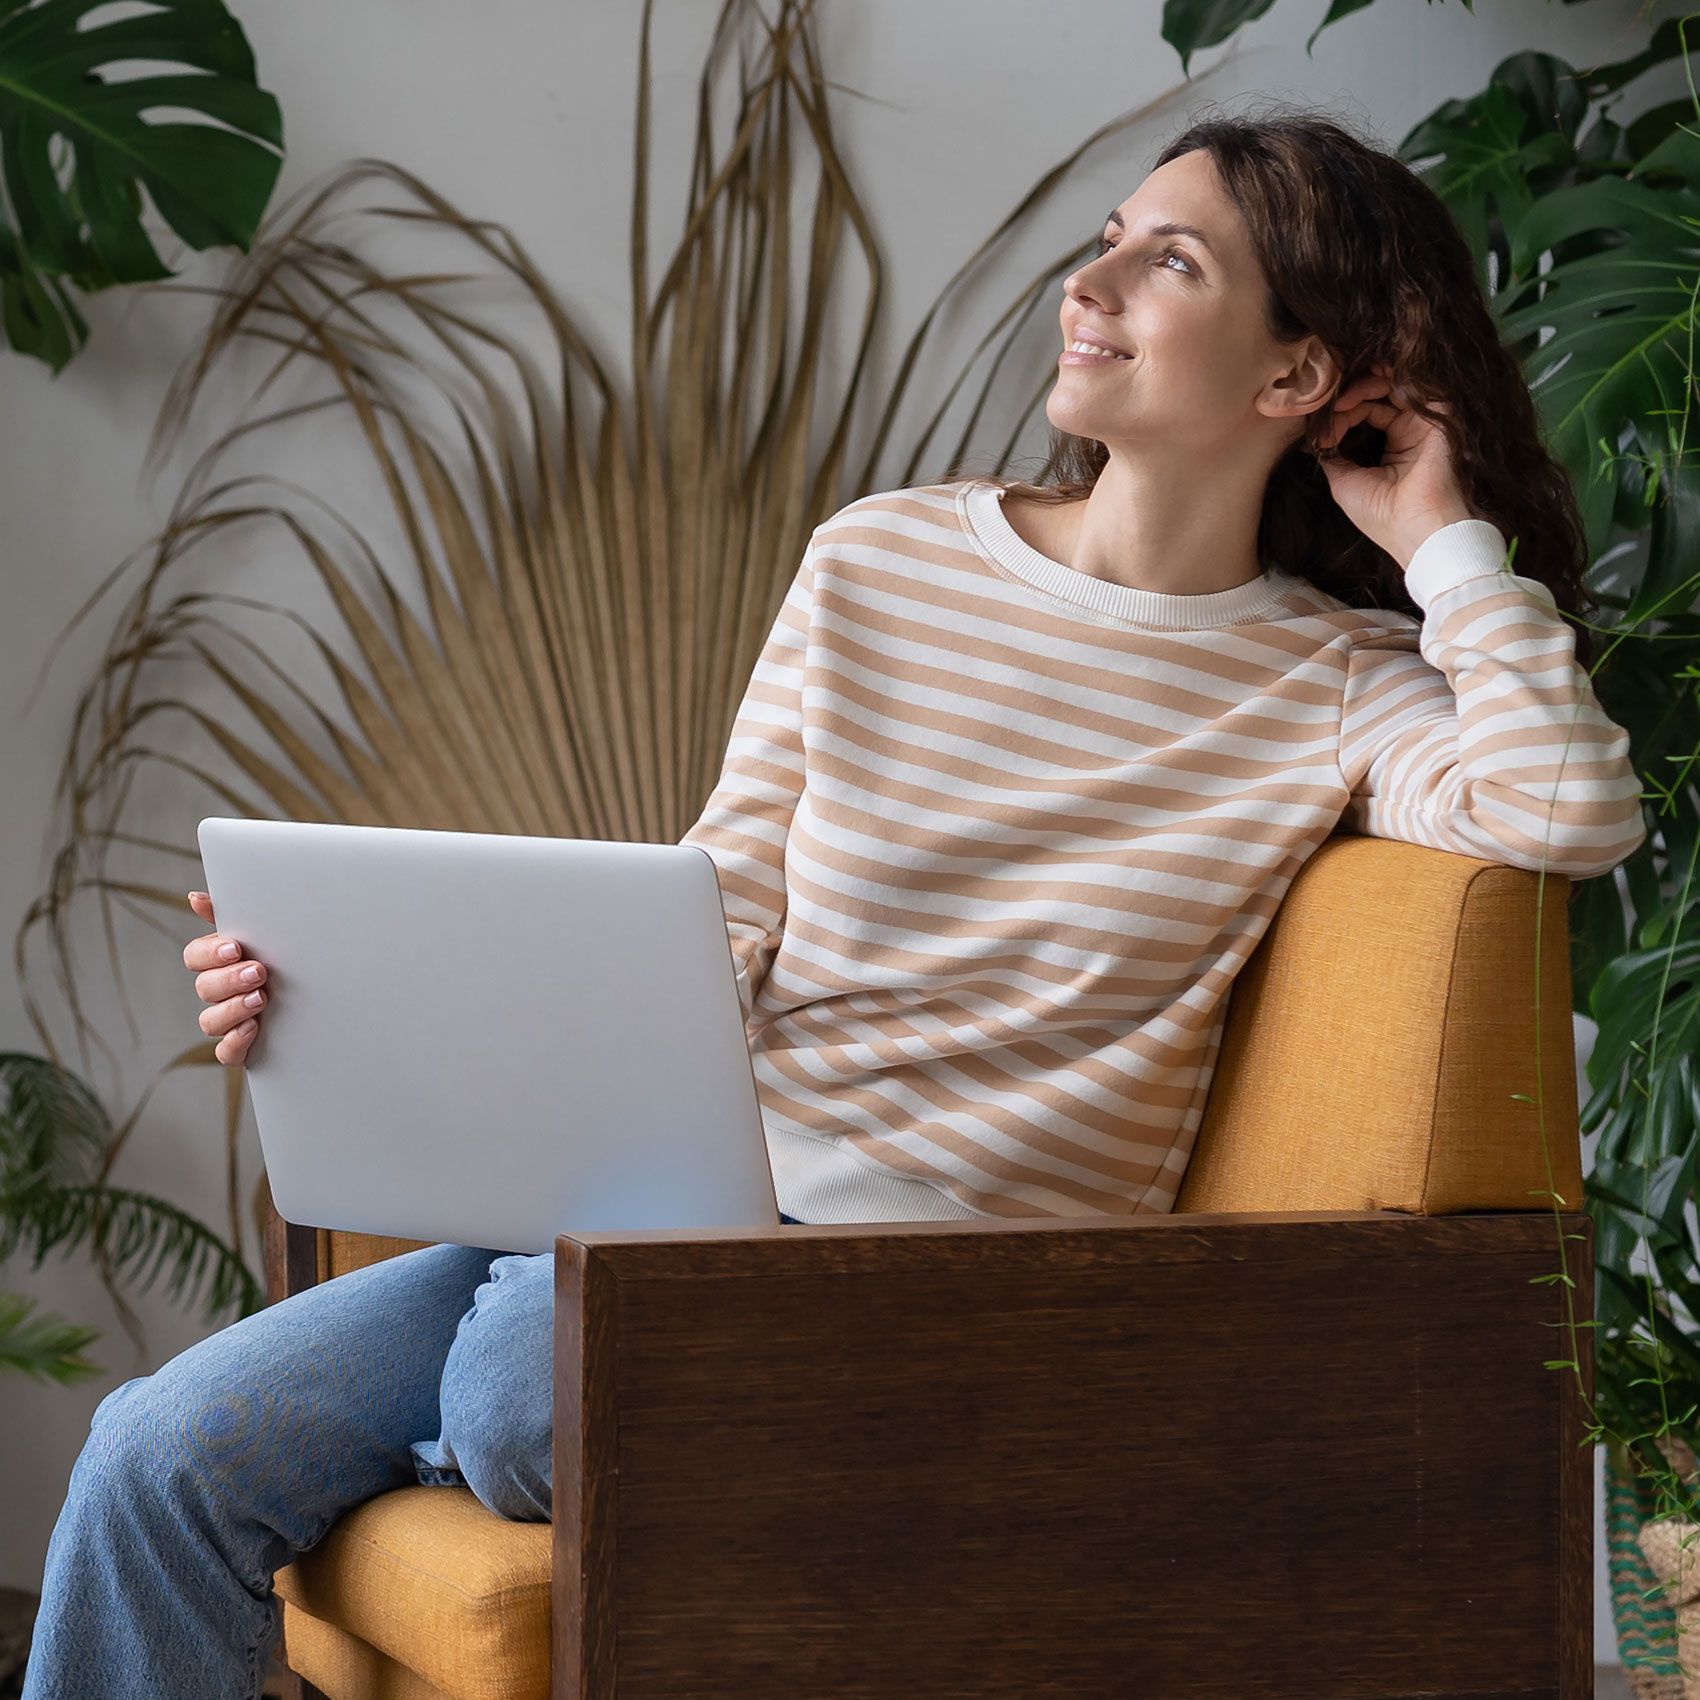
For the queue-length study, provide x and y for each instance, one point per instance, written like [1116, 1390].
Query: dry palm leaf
[593, 565]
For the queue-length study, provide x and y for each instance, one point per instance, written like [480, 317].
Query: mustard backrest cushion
[1380, 1050]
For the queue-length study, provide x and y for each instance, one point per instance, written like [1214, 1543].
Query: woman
[1021, 775]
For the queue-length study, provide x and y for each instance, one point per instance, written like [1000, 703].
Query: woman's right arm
[232, 987]
[746, 821]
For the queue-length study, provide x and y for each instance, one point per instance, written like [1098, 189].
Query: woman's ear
[1307, 381]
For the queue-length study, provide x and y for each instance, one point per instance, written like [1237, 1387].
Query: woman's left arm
[1489, 741]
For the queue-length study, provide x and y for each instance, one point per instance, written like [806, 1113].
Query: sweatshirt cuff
[1465, 549]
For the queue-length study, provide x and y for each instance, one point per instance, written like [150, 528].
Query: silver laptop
[491, 1039]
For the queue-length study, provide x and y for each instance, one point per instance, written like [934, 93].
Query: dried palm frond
[585, 569]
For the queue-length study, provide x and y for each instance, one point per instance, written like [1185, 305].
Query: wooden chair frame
[1279, 1456]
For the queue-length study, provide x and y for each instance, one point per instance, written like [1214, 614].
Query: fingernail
[227, 953]
[245, 1026]
[254, 1000]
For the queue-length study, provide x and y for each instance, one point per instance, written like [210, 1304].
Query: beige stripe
[861, 1104]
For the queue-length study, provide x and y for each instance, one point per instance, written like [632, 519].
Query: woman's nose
[1090, 285]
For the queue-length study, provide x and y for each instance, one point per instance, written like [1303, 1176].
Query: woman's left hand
[1414, 491]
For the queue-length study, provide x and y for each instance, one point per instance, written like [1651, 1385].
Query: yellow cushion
[1380, 1046]
[344, 1668]
[441, 1586]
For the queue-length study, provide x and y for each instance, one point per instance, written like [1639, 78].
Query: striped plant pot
[1641, 1608]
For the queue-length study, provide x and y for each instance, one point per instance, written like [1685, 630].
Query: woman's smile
[1087, 351]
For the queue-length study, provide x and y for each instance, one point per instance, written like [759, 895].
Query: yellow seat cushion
[341, 1667]
[454, 1594]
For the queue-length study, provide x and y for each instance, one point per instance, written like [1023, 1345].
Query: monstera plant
[112, 124]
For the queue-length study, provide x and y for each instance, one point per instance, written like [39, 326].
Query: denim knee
[498, 1389]
[163, 1452]
[127, 1435]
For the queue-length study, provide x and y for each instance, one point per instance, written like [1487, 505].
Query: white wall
[521, 111]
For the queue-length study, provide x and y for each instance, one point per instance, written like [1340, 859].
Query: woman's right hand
[231, 984]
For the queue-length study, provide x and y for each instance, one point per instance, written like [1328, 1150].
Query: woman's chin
[1082, 408]
[1081, 422]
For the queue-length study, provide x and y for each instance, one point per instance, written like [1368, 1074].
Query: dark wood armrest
[292, 1258]
[1306, 1456]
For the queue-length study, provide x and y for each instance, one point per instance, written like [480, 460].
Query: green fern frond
[140, 1239]
[53, 1130]
[46, 1347]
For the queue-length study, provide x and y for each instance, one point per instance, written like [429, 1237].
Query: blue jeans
[200, 1481]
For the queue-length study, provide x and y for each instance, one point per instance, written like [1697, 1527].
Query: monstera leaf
[1493, 149]
[101, 112]
[1615, 324]
[1191, 24]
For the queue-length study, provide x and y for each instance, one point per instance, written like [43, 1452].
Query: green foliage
[46, 1346]
[1618, 306]
[54, 1139]
[1646, 1109]
[80, 146]
[1495, 154]
[138, 1237]
[1191, 24]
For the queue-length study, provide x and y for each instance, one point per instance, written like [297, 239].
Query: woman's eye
[1105, 245]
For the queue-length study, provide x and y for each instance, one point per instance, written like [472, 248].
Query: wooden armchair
[1294, 1441]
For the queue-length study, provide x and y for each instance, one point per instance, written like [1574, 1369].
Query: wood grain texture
[343, 1253]
[292, 1266]
[1307, 1457]
[585, 1453]
[1576, 1480]
[292, 1258]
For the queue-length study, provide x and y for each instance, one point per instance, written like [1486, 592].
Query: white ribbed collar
[981, 506]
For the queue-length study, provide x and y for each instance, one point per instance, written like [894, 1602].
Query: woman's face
[1172, 307]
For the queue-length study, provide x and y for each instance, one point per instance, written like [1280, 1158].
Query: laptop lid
[491, 1039]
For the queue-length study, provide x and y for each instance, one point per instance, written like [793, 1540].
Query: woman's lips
[1082, 352]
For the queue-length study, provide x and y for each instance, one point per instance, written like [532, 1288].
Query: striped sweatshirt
[994, 836]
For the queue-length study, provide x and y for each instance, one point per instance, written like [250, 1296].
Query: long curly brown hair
[1359, 251]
